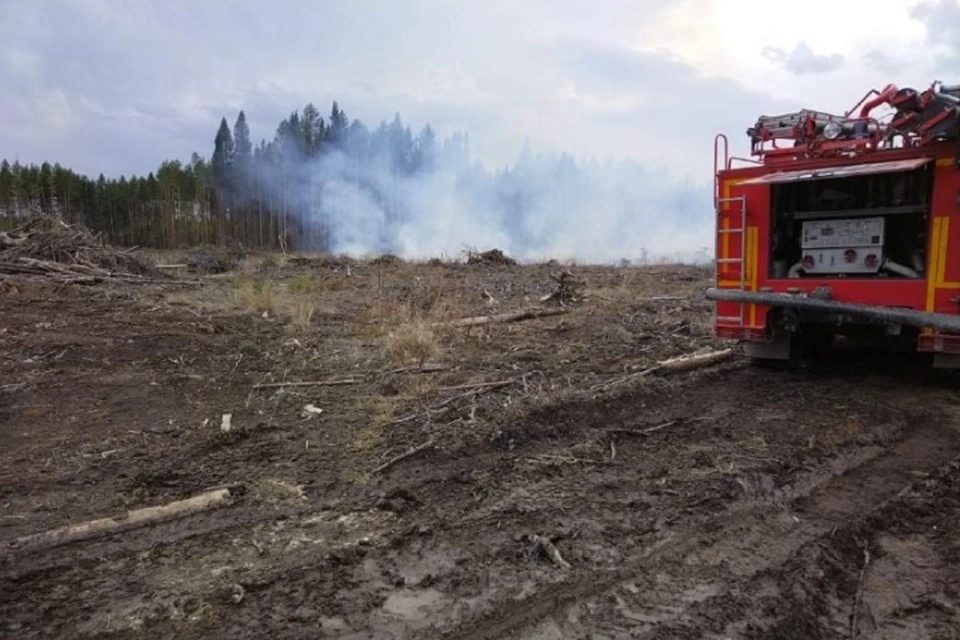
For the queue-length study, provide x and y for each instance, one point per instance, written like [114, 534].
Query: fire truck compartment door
[841, 171]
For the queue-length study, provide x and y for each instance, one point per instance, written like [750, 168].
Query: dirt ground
[730, 502]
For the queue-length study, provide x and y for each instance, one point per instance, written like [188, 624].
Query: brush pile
[211, 260]
[52, 248]
[492, 257]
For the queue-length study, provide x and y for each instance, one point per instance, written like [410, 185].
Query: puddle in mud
[413, 605]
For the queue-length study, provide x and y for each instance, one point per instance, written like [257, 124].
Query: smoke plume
[390, 192]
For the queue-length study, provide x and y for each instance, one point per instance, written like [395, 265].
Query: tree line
[332, 184]
[267, 195]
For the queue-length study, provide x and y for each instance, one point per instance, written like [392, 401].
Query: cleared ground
[730, 502]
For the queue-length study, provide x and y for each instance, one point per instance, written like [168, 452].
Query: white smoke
[544, 207]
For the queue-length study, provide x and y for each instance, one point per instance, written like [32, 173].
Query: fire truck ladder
[740, 261]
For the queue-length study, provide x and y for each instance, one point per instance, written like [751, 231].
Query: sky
[116, 86]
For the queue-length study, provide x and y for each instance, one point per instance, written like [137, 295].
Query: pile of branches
[494, 256]
[212, 260]
[387, 260]
[47, 247]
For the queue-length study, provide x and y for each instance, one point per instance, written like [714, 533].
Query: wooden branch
[172, 266]
[130, 520]
[445, 404]
[479, 385]
[311, 383]
[642, 432]
[403, 456]
[858, 598]
[543, 543]
[661, 299]
[515, 316]
[425, 368]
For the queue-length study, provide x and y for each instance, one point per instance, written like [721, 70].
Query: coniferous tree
[311, 131]
[223, 151]
[6, 188]
[222, 167]
[243, 149]
[336, 132]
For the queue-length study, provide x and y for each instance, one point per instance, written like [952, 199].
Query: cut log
[6, 240]
[673, 365]
[309, 383]
[696, 361]
[515, 316]
[130, 520]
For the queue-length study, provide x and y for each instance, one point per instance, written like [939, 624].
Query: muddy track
[747, 516]
[687, 581]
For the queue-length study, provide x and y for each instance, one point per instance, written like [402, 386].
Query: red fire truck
[843, 227]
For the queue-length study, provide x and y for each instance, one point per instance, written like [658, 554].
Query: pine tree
[243, 148]
[6, 188]
[223, 151]
[426, 149]
[311, 130]
[336, 132]
[222, 166]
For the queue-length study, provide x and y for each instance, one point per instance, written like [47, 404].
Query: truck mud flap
[875, 314]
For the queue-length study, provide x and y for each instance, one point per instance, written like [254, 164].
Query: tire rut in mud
[695, 582]
[670, 539]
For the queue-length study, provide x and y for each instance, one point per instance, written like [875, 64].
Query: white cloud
[802, 60]
[118, 85]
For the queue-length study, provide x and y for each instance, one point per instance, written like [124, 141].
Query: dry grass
[383, 410]
[415, 341]
[301, 316]
[256, 294]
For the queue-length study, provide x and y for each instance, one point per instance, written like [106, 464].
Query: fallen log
[673, 365]
[515, 316]
[131, 520]
[695, 361]
[309, 383]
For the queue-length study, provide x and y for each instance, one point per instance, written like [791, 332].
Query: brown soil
[765, 504]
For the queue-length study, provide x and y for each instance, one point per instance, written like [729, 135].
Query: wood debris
[567, 292]
[542, 544]
[642, 432]
[52, 248]
[492, 257]
[130, 520]
[309, 383]
[515, 316]
[674, 365]
[403, 456]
